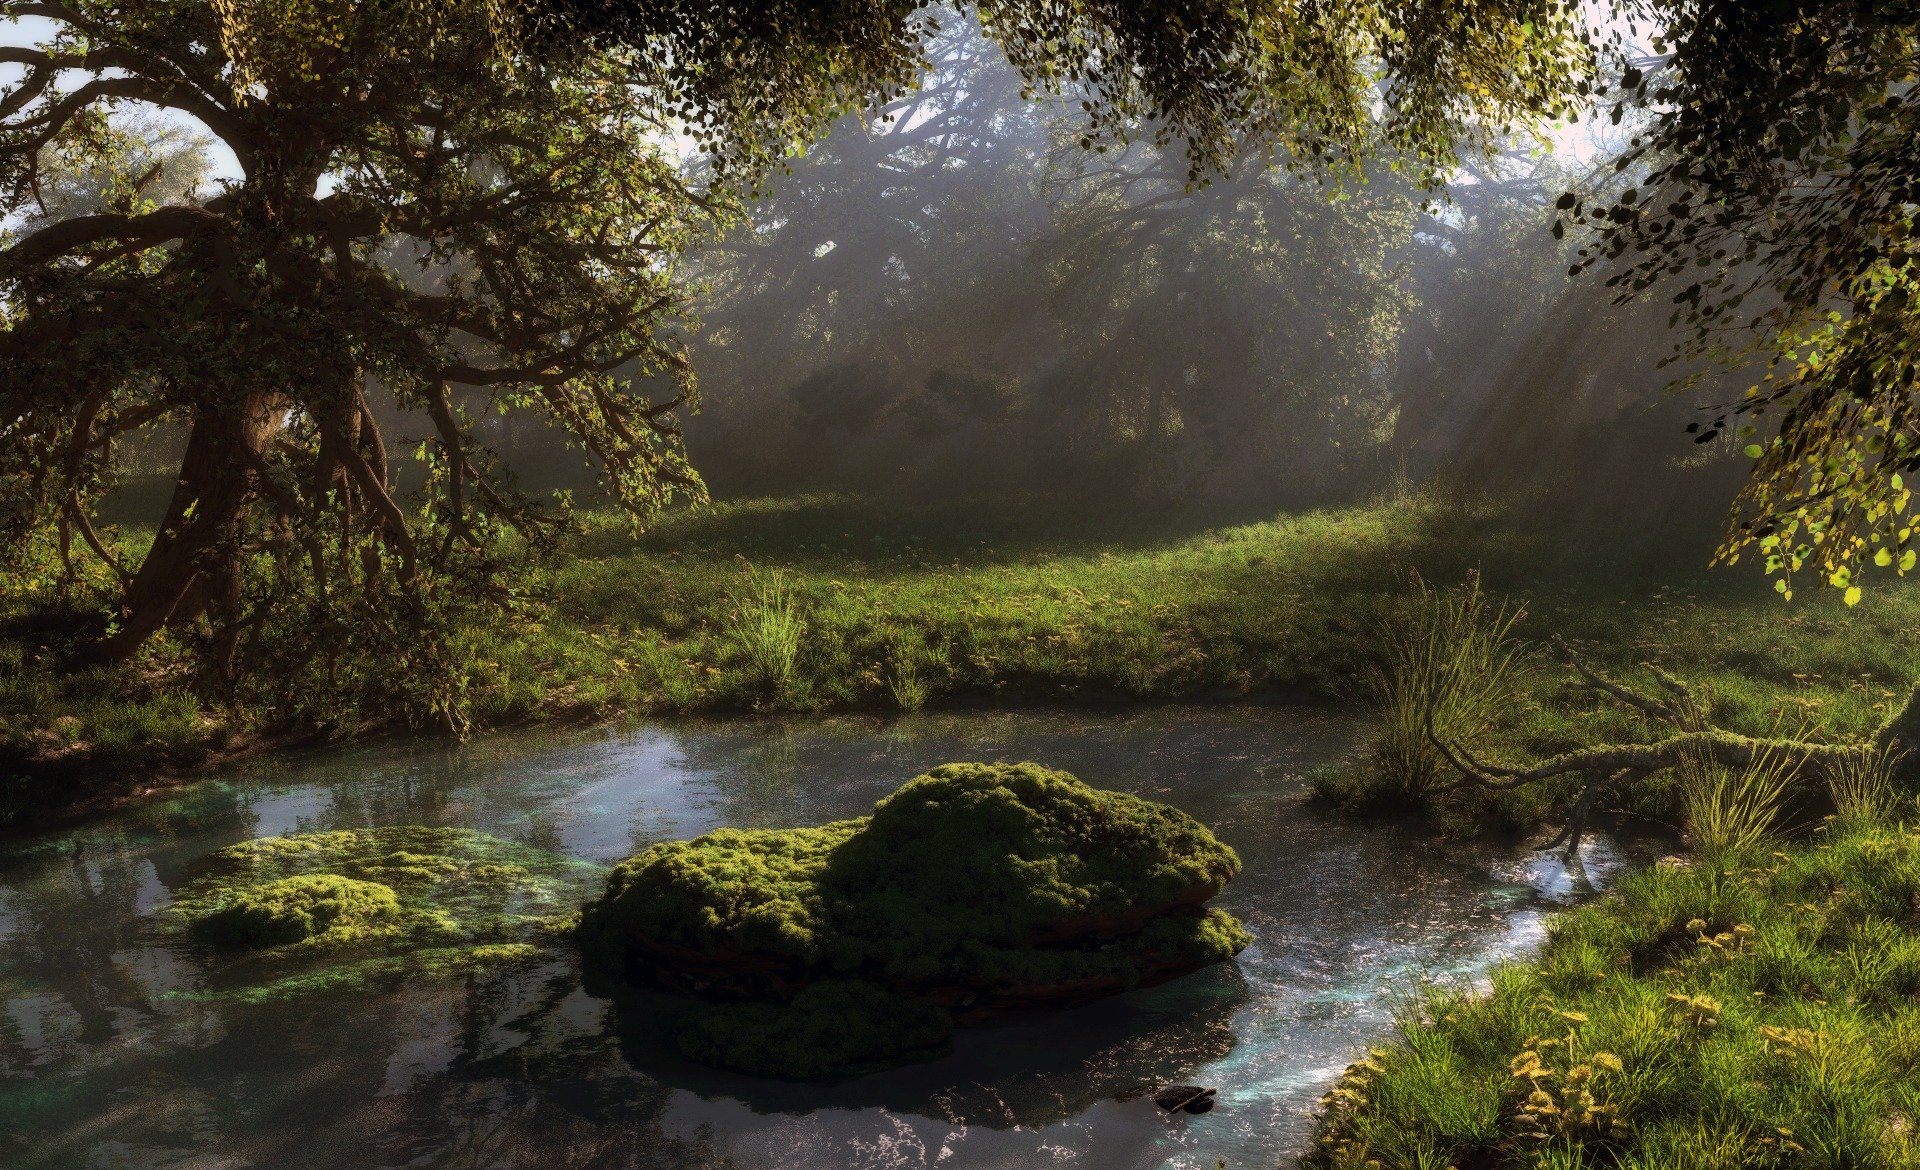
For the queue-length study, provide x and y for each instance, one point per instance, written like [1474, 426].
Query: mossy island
[973, 891]
[313, 912]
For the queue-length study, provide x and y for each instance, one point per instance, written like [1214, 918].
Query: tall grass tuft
[1862, 787]
[767, 627]
[908, 670]
[1733, 810]
[1454, 655]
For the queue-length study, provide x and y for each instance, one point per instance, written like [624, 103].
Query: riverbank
[1750, 1009]
[817, 604]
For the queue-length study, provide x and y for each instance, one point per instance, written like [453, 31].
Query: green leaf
[1883, 557]
[1753, 451]
[1852, 595]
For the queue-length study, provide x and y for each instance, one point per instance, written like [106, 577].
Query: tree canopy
[1775, 203]
[474, 206]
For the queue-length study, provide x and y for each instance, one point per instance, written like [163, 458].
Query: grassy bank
[1754, 1010]
[816, 603]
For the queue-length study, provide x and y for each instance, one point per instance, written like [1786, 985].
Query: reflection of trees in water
[416, 792]
[208, 808]
[492, 1072]
[66, 923]
[557, 1095]
[764, 774]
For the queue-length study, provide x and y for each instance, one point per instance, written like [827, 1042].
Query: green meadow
[809, 604]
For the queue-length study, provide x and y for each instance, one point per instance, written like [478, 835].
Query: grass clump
[767, 627]
[1863, 788]
[313, 912]
[1759, 1011]
[1733, 810]
[974, 889]
[1454, 669]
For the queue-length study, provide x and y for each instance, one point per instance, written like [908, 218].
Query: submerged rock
[1191, 1098]
[972, 891]
[310, 912]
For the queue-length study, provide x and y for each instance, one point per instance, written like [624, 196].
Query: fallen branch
[1611, 767]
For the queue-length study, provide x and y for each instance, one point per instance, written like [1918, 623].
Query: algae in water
[312, 912]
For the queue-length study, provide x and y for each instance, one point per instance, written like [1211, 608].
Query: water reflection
[108, 1059]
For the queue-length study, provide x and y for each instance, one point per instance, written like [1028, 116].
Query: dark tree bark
[194, 566]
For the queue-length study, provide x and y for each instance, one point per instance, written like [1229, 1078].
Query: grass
[818, 603]
[1733, 810]
[767, 628]
[1453, 666]
[1759, 1011]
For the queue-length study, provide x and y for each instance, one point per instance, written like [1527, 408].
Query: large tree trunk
[194, 564]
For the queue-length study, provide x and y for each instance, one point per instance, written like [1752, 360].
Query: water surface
[108, 1061]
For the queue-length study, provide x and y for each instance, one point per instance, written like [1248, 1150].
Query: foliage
[1759, 1011]
[976, 887]
[468, 218]
[319, 912]
[1770, 202]
[463, 204]
[752, 78]
[951, 294]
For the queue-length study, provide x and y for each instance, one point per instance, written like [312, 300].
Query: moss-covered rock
[313, 912]
[974, 890]
[295, 909]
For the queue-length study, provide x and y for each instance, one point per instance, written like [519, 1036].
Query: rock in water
[972, 891]
[1191, 1098]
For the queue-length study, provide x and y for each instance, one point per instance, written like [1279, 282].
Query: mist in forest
[951, 295]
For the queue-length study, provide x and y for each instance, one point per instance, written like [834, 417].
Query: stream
[109, 1061]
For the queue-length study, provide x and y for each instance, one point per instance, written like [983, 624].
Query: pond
[109, 1059]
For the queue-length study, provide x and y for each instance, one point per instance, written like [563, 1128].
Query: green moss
[314, 912]
[976, 887]
[296, 909]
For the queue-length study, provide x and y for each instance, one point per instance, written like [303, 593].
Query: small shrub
[1454, 659]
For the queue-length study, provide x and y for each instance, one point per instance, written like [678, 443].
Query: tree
[415, 210]
[446, 193]
[1777, 208]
